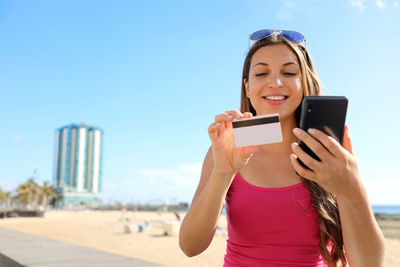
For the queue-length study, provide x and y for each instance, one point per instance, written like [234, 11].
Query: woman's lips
[279, 100]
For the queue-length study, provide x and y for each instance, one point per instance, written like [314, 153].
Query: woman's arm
[220, 165]
[357, 218]
[363, 240]
[338, 173]
[198, 227]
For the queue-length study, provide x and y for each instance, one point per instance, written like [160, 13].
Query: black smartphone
[325, 113]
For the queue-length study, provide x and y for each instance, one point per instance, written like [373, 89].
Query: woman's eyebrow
[260, 63]
[290, 63]
[265, 64]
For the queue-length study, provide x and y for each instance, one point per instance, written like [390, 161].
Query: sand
[105, 230]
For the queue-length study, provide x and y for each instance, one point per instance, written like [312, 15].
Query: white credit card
[258, 130]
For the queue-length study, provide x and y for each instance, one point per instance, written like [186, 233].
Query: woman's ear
[246, 86]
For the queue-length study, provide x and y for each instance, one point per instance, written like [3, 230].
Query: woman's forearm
[198, 227]
[363, 240]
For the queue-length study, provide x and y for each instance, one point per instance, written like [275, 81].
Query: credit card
[258, 130]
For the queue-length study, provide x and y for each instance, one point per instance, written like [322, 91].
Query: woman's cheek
[297, 89]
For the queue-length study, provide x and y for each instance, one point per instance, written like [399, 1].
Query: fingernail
[229, 117]
[294, 145]
[296, 131]
[311, 131]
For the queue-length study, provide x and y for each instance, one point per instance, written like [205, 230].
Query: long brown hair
[325, 203]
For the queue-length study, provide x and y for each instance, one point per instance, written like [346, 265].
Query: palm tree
[24, 193]
[2, 197]
[8, 199]
[36, 192]
[5, 198]
[47, 192]
[29, 192]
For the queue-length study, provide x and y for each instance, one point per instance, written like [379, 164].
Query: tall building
[77, 164]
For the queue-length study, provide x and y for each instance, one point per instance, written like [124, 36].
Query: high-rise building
[77, 164]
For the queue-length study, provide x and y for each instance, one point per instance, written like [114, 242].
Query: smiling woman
[278, 212]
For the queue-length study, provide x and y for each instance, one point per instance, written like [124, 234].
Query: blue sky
[153, 74]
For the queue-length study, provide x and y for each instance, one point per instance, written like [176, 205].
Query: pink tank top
[271, 226]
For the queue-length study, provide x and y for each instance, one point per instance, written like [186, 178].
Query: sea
[387, 209]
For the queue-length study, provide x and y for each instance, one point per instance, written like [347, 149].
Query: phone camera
[309, 107]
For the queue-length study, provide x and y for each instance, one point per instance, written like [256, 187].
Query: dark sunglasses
[292, 36]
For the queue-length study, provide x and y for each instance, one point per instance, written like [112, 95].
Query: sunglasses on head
[292, 36]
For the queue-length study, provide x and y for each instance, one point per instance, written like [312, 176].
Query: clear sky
[153, 74]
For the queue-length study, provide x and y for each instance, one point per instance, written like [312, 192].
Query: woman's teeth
[275, 98]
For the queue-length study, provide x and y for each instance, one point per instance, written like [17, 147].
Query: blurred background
[151, 75]
[106, 105]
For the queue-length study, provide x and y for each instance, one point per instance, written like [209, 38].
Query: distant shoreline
[386, 209]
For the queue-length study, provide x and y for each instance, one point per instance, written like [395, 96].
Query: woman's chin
[283, 116]
[267, 112]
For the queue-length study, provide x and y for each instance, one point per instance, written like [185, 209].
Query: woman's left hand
[337, 172]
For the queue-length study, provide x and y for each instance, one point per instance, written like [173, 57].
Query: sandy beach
[106, 230]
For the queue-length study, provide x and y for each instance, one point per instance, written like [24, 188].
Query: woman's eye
[261, 74]
[290, 73]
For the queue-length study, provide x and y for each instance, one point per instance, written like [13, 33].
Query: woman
[318, 217]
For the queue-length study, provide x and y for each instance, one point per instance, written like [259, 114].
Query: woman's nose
[275, 81]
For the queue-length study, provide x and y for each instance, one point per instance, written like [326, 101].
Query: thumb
[248, 151]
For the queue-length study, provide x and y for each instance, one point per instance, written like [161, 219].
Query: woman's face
[274, 84]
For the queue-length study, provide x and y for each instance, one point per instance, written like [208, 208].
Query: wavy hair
[331, 240]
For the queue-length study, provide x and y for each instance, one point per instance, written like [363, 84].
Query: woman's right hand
[228, 158]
